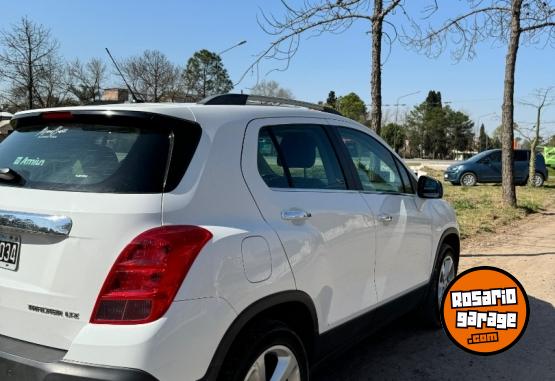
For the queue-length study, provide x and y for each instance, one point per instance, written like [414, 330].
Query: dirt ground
[405, 351]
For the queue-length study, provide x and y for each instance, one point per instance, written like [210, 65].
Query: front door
[294, 174]
[403, 230]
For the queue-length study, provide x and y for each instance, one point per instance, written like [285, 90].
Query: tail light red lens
[57, 115]
[147, 274]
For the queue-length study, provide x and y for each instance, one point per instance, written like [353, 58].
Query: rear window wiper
[8, 175]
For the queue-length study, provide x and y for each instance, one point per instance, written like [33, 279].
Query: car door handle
[385, 218]
[295, 215]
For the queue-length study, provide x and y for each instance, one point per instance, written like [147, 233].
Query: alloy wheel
[537, 180]
[277, 363]
[446, 275]
[468, 179]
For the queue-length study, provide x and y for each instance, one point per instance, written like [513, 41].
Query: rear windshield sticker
[27, 161]
[47, 133]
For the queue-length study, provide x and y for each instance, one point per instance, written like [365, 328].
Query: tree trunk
[376, 80]
[30, 80]
[533, 145]
[507, 137]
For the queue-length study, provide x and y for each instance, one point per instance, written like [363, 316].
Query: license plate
[9, 251]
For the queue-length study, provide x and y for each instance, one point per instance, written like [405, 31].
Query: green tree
[460, 129]
[205, 75]
[332, 99]
[394, 134]
[352, 106]
[483, 139]
[427, 128]
[435, 131]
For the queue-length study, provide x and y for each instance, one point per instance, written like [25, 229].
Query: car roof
[208, 116]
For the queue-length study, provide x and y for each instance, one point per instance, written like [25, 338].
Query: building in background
[115, 95]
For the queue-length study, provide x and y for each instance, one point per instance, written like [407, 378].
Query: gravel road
[405, 351]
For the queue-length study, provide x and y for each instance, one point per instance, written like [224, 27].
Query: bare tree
[512, 22]
[50, 85]
[542, 99]
[152, 76]
[271, 89]
[29, 49]
[86, 79]
[330, 16]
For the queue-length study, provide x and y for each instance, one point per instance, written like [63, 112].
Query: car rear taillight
[147, 274]
[56, 115]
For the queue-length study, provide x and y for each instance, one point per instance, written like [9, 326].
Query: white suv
[223, 240]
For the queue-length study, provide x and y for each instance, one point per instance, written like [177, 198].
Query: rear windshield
[91, 157]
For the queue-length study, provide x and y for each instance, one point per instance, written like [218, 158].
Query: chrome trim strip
[35, 223]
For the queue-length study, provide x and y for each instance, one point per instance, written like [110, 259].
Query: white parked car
[216, 241]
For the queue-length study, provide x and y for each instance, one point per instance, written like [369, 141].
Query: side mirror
[429, 188]
[486, 161]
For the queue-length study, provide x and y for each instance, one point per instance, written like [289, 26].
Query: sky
[340, 62]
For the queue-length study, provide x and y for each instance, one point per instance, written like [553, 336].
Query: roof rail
[244, 99]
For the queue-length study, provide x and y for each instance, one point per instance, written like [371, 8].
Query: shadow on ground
[404, 351]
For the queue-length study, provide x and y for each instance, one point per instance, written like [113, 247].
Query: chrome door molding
[32, 223]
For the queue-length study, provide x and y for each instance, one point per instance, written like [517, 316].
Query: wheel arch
[295, 308]
[450, 236]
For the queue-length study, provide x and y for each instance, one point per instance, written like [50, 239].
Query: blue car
[485, 167]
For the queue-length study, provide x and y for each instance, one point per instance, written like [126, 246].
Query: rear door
[521, 164]
[294, 174]
[79, 188]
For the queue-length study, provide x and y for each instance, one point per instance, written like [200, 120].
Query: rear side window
[98, 156]
[298, 156]
[521, 155]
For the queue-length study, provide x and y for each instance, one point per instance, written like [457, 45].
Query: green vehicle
[549, 156]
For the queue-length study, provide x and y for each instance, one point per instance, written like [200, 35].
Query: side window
[374, 164]
[495, 157]
[521, 155]
[298, 156]
[407, 183]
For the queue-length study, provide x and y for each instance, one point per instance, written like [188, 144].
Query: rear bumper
[22, 361]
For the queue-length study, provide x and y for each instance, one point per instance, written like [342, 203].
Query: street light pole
[399, 99]
[232, 47]
[397, 104]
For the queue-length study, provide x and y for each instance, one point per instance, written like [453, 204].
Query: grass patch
[480, 209]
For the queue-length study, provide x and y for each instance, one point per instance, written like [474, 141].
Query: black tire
[429, 311]
[472, 179]
[254, 341]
